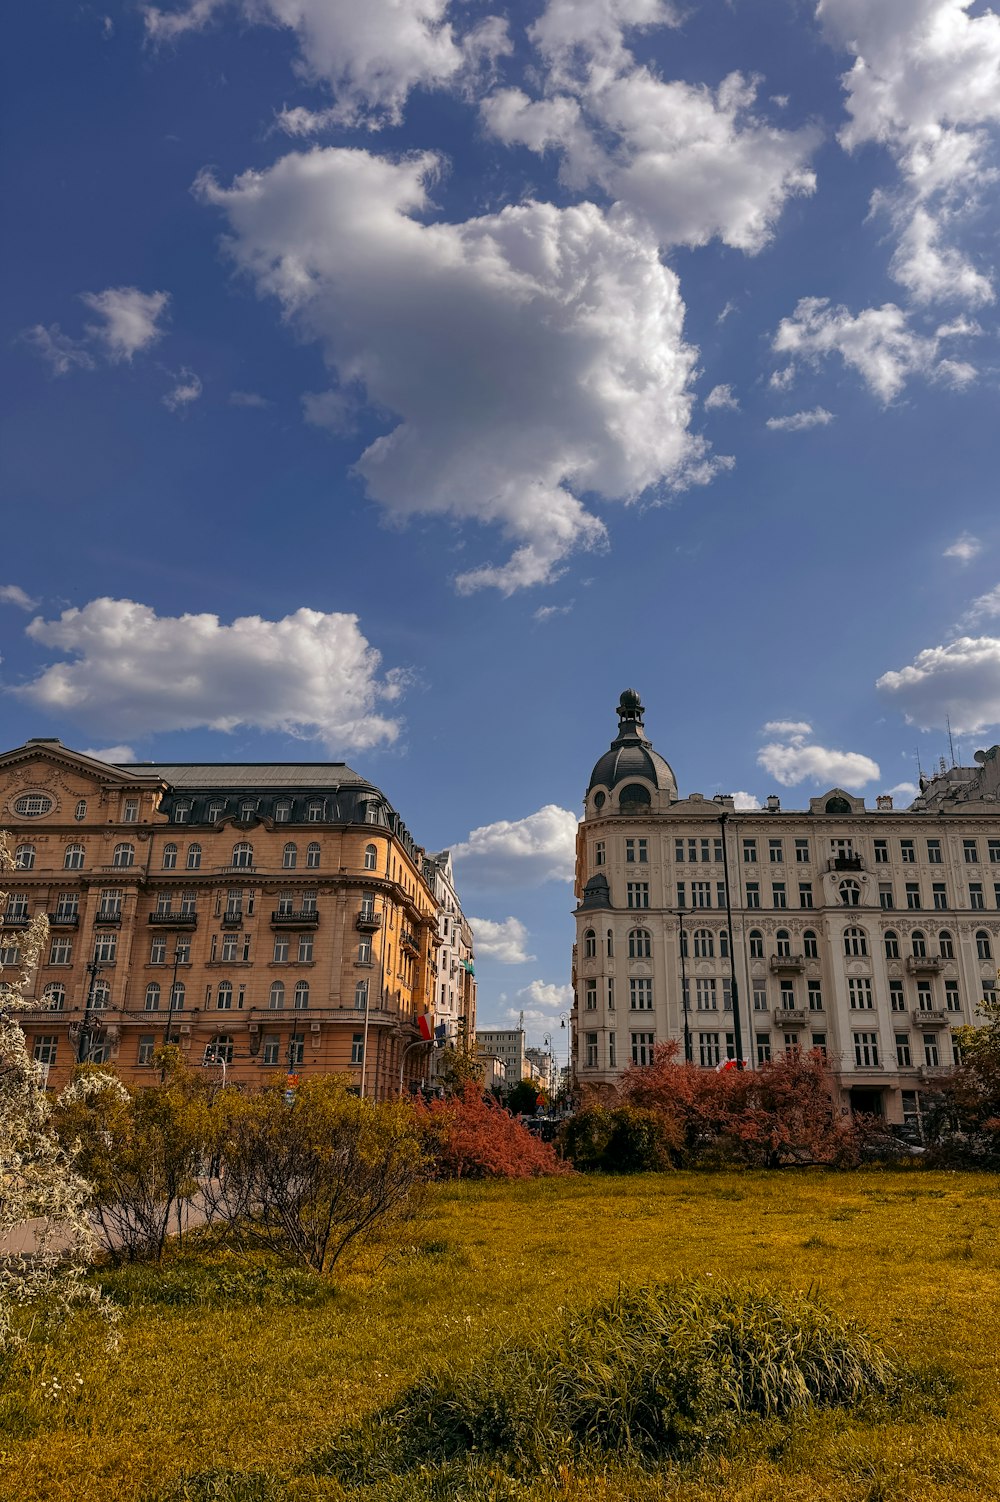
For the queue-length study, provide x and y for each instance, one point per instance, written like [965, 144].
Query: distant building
[543, 1068]
[507, 1046]
[454, 968]
[868, 934]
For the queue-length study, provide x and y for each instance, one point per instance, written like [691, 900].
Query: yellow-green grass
[258, 1387]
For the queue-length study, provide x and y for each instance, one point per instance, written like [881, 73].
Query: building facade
[454, 1001]
[267, 918]
[869, 934]
[504, 1046]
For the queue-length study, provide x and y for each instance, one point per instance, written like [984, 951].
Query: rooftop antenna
[920, 770]
[951, 743]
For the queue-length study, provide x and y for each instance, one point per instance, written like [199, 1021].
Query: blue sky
[399, 380]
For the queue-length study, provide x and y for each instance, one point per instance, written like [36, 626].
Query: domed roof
[631, 754]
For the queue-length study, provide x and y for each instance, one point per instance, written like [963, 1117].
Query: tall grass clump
[656, 1373]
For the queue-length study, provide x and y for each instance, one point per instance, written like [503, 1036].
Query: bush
[628, 1139]
[468, 1137]
[657, 1372]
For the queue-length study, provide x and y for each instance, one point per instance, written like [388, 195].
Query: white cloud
[796, 422]
[959, 681]
[933, 272]
[13, 594]
[745, 802]
[112, 754]
[904, 790]
[548, 612]
[721, 397]
[187, 390]
[369, 53]
[504, 941]
[573, 34]
[791, 759]
[519, 852]
[541, 1002]
[877, 342]
[61, 352]
[130, 319]
[131, 672]
[530, 355]
[251, 399]
[984, 608]
[964, 548]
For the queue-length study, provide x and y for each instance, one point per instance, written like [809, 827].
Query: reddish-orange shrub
[468, 1137]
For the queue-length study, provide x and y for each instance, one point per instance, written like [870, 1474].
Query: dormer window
[130, 811]
[315, 811]
[215, 812]
[282, 812]
[182, 813]
[247, 811]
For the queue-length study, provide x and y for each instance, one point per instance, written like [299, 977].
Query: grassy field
[222, 1370]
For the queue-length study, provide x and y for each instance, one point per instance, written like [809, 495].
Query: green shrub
[628, 1139]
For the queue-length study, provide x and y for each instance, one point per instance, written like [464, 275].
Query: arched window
[24, 857]
[850, 893]
[783, 941]
[193, 857]
[723, 944]
[918, 944]
[54, 997]
[289, 856]
[224, 996]
[610, 944]
[639, 944]
[73, 858]
[634, 794]
[153, 996]
[124, 855]
[946, 945]
[855, 943]
[371, 857]
[169, 857]
[704, 944]
[243, 855]
[81, 809]
[276, 1000]
[589, 944]
[810, 945]
[178, 994]
[983, 947]
[837, 806]
[101, 996]
[891, 941]
[312, 855]
[301, 998]
[756, 942]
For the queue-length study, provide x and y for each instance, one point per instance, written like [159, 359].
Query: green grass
[240, 1377]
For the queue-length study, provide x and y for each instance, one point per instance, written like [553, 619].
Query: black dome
[631, 754]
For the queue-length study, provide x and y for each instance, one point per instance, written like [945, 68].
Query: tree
[469, 1137]
[964, 1112]
[523, 1098]
[43, 1197]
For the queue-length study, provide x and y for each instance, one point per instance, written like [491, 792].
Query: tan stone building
[867, 933]
[269, 918]
[455, 982]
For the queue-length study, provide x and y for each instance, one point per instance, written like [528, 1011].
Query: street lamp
[685, 1006]
[215, 1055]
[566, 1022]
[171, 997]
[420, 1042]
[83, 1047]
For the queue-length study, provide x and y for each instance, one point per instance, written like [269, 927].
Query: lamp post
[420, 1042]
[685, 1005]
[170, 998]
[566, 1021]
[83, 1043]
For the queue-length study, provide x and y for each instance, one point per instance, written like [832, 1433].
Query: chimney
[774, 804]
[884, 803]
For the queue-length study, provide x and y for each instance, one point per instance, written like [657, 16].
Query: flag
[424, 1024]
[727, 1064]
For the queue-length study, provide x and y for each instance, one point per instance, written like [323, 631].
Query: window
[925, 997]
[67, 906]
[755, 940]
[32, 805]
[169, 857]
[54, 997]
[81, 809]
[810, 945]
[60, 952]
[282, 811]
[946, 946]
[612, 1051]
[296, 1050]
[636, 852]
[106, 948]
[704, 944]
[778, 897]
[637, 894]
[891, 942]
[802, 852]
[361, 995]
[970, 852]
[305, 949]
[286, 903]
[805, 894]
[590, 944]
[315, 811]
[984, 949]
[903, 1058]
[886, 901]
[708, 1050]
[194, 857]
[611, 994]
[787, 995]
[976, 896]
[73, 858]
[750, 852]
[371, 857]
[10, 956]
[859, 990]
[357, 1047]
[774, 852]
[124, 855]
[158, 951]
[189, 902]
[280, 956]
[17, 906]
[599, 853]
[46, 1046]
[913, 894]
[855, 943]
[763, 1048]
[934, 852]
[300, 1000]
[918, 944]
[850, 893]
[815, 994]
[932, 1053]
[952, 1000]
[783, 943]
[590, 1000]
[753, 894]
[701, 894]
[271, 1051]
[276, 996]
[243, 855]
[130, 813]
[897, 1001]
[147, 1048]
[365, 952]
[881, 852]
[705, 997]
[153, 996]
[215, 812]
[312, 856]
[24, 857]
[178, 995]
[760, 998]
[642, 1048]
[590, 1048]
[866, 1050]
[907, 853]
[639, 944]
[610, 945]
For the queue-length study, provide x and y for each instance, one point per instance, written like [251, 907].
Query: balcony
[846, 863]
[932, 1071]
[232, 918]
[787, 1016]
[787, 964]
[368, 922]
[108, 918]
[409, 942]
[304, 918]
[10, 921]
[924, 964]
[64, 920]
[173, 920]
[930, 1019]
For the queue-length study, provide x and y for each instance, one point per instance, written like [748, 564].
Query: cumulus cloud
[520, 852]
[792, 759]
[504, 941]
[541, 1002]
[796, 422]
[369, 53]
[112, 754]
[877, 342]
[906, 790]
[132, 672]
[129, 319]
[13, 594]
[187, 390]
[745, 802]
[964, 548]
[959, 681]
[530, 355]
[721, 397]
[984, 608]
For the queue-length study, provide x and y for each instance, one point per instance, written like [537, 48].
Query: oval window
[32, 805]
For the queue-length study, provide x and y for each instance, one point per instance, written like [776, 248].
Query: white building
[454, 977]
[543, 1068]
[868, 934]
[507, 1046]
